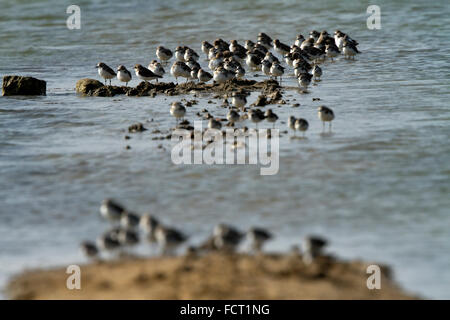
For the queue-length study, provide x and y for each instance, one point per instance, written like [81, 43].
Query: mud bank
[212, 276]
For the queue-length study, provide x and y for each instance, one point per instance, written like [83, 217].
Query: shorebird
[299, 40]
[156, 68]
[257, 237]
[113, 232]
[325, 115]
[215, 61]
[145, 74]
[249, 44]
[271, 117]
[111, 210]
[240, 72]
[148, 224]
[314, 35]
[300, 61]
[236, 47]
[304, 80]
[179, 53]
[239, 100]
[276, 70]
[206, 46]
[221, 44]
[127, 237]
[105, 72]
[222, 75]
[180, 69]
[129, 220]
[256, 116]
[89, 249]
[261, 50]
[289, 60]
[299, 70]
[271, 58]
[190, 54]
[214, 124]
[231, 64]
[213, 52]
[233, 116]
[123, 74]
[307, 43]
[264, 40]
[253, 61]
[349, 50]
[280, 47]
[331, 51]
[177, 110]
[301, 125]
[291, 123]
[265, 67]
[194, 73]
[226, 237]
[312, 247]
[168, 239]
[107, 242]
[340, 38]
[192, 64]
[164, 54]
[203, 76]
[317, 72]
[314, 53]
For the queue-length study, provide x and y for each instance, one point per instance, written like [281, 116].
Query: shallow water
[378, 188]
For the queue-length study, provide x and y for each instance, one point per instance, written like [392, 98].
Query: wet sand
[212, 276]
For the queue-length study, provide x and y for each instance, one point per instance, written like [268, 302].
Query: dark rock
[105, 91]
[87, 86]
[137, 127]
[23, 86]
[261, 101]
[185, 127]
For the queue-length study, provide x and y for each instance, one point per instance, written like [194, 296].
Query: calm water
[378, 188]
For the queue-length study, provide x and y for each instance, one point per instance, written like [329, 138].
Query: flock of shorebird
[126, 226]
[227, 60]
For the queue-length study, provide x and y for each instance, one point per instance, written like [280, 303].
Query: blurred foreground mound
[212, 276]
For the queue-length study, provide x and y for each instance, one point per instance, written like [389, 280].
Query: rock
[105, 91]
[88, 86]
[137, 127]
[23, 86]
[95, 88]
[261, 101]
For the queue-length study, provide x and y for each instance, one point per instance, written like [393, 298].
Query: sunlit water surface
[378, 187]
